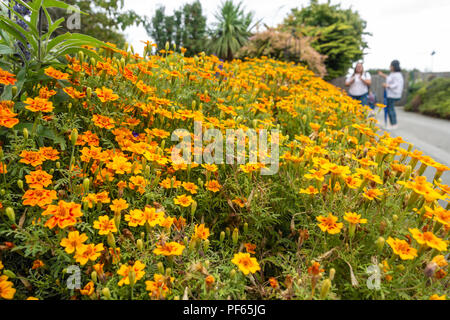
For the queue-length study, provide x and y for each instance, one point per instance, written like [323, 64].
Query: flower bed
[92, 205]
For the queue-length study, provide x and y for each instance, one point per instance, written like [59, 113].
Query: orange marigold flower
[56, 74]
[402, 248]
[429, 239]
[88, 289]
[63, 215]
[124, 271]
[200, 232]
[246, 263]
[44, 93]
[159, 287]
[37, 264]
[191, 187]
[49, 153]
[372, 194]
[437, 297]
[118, 205]
[120, 165]
[38, 179]
[354, 218]
[250, 247]
[213, 185]
[6, 288]
[38, 105]
[105, 94]
[183, 200]
[73, 93]
[274, 283]
[103, 122]
[169, 249]
[39, 197]
[329, 224]
[33, 158]
[315, 269]
[7, 78]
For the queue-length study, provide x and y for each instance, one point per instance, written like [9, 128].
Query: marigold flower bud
[235, 236]
[222, 236]
[58, 165]
[94, 276]
[205, 245]
[168, 272]
[74, 136]
[207, 263]
[10, 214]
[160, 267]
[9, 274]
[193, 207]
[332, 273]
[140, 244]
[132, 277]
[25, 133]
[233, 273]
[86, 183]
[89, 92]
[167, 45]
[20, 184]
[395, 218]
[380, 243]
[14, 91]
[106, 293]
[111, 240]
[245, 227]
[326, 285]
[3, 192]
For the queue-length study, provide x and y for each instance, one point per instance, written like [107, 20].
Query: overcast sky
[407, 30]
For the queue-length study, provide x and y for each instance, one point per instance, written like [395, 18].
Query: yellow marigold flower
[56, 74]
[402, 248]
[440, 261]
[213, 185]
[120, 165]
[201, 232]
[183, 200]
[73, 242]
[310, 190]
[210, 167]
[159, 287]
[190, 187]
[354, 218]
[119, 205]
[6, 288]
[124, 271]
[429, 239]
[240, 201]
[169, 249]
[246, 263]
[372, 194]
[437, 297]
[88, 252]
[329, 224]
[1, 265]
[38, 179]
[105, 225]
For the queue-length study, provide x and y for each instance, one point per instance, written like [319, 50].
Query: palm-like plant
[231, 31]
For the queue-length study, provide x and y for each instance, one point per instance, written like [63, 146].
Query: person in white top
[359, 83]
[394, 89]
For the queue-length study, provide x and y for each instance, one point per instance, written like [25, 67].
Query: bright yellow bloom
[105, 225]
[124, 271]
[354, 218]
[246, 263]
[402, 248]
[429, 239]
[73, 242]
[183, 200]
[201, 232]
[169, 249]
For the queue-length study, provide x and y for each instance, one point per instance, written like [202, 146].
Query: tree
[185, 28]
[231, 30]
[105, 19]
[337, 33]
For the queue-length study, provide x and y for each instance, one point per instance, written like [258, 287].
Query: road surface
[430, 135]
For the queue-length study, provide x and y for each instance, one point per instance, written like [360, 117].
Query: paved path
[430, 135]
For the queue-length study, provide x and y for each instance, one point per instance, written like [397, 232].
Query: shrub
[432, 98]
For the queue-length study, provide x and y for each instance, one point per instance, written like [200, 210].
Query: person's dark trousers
[390, 108]
[363, 99]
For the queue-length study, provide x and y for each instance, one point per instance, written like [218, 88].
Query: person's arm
[381, 74]
[393, 83]
[367, 81]
[349, 81]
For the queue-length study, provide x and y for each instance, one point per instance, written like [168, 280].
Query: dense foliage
[431, 98]
[90, 190]
[338, 33]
